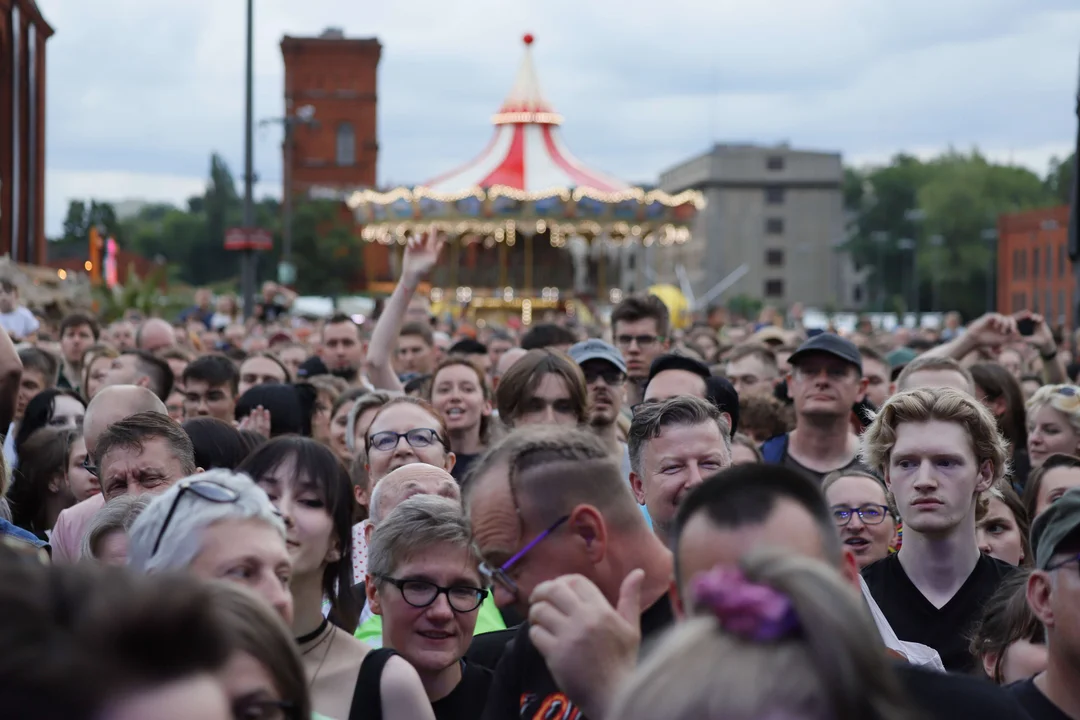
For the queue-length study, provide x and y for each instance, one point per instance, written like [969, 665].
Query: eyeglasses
[417, 438]
[499, 575]
[870, 514]
[421, 594]
[643, 341]
[262, 709]
[89, 466]
[207, 490]
[1063, 563]
[610, 377]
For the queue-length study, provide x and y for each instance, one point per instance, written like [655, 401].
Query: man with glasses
[674, 446]
[1053, 593]
[556, 524]
[639, 326]
[937, 449]
[825, 382]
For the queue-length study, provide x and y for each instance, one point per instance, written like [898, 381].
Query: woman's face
[309, 528]
[1049, 432]
[401, 419]
[80, 481]
[95, 374]
[320, 418]
[67, 413]
[998, 534]
[250, 553]
[339, 426]
[112, 548]
[250, 687]
[869, 542]
[434, 637]
[456, 392]
[1054, 484]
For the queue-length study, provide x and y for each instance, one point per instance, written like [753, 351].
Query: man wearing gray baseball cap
[1053, 593]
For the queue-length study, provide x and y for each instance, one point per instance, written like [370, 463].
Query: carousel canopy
[526, 178]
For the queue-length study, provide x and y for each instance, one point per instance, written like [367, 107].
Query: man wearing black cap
[826, 380]
[1053, 593]
[672, 375]
[605, 377]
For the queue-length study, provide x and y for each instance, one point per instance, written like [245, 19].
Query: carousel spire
[525, 103]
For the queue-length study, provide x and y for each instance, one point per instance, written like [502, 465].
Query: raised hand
[257, 421]
[993, 330]
[1042, 339]
[421, 254]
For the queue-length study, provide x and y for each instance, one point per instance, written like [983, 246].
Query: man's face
[606, 393]
[150, 469]
[703, 545]
[74, 341]
[937, 378]
[33, 382]
[342, 349]
[877, 376]
[259, 371]
[672, 383]
[292, 358]
[640, 343]
[123, 371]
[496, 348]
[751, 377]
[123, 336]
[934, 476]
[1054, 597]
[549, 404]
[9, 299]
[825, 386]
[674, 463]
[203, 400]
[414, 355]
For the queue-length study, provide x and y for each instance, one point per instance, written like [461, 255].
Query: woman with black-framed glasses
[424, 580]
[404, 431]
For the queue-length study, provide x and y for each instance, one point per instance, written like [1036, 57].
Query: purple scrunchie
[749, 610]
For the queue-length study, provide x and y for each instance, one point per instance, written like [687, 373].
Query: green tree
[1059, 180]
[327, 254]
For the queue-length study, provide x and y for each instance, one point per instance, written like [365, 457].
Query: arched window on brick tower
[346, 144]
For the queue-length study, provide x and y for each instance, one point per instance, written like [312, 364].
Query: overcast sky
[141, 92]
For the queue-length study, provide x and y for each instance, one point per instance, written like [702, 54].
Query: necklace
[304, 639]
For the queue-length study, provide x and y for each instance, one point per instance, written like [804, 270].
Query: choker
[304, 639]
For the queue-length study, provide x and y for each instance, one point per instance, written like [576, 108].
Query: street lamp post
[990, 236]
[247, 259]
[305, 115]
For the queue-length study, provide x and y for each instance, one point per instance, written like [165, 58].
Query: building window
[1049, 307]
[774, 257]
[774, 162]
[346, 144]
[774, 226]
[774, 196]
[1061, 262]
[774, 288]
[1016, 265]
[1062, 309]
[1035, 263]
[1049, 262]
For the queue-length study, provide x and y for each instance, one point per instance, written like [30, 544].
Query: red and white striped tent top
[526, 152]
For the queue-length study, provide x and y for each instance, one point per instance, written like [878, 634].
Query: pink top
[70, 527]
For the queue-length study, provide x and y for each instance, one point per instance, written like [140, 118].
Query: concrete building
[777, 210]
[23, 34]
[1033, 267]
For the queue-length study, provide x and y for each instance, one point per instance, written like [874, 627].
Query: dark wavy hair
[39, 413]
[318, 465]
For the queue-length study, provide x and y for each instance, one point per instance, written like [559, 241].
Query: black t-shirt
[947, 696]
[487, 649]
[1035, 704]
[915, 619]
[466, 701]
[462, 465]
[523, 685]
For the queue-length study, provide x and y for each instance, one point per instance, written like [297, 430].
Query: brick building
[1034, 271]
[23, 34]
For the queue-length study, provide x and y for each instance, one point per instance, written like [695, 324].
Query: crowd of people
[417, 517]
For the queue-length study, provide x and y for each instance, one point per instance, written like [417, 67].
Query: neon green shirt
[488, 619]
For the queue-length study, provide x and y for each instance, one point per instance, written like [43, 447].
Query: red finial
[528, 38]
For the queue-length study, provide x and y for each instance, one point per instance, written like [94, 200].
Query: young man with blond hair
[937, 450]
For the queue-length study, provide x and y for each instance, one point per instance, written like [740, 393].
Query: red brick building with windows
[1034, 270]
[23, 34]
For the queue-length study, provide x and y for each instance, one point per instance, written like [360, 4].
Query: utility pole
[247, 259]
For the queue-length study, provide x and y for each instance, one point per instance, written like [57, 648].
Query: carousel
[530, 227]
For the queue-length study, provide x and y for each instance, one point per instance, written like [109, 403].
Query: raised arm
[10, 376]
[421, 254]
[1043, 341]
[989, 331]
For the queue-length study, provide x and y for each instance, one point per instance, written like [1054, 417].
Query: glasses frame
[89, 466]
[397, 439]
[196, 486]
[859, 511]
[591, 377]
[499, 575]
[642, 341]
[400, 583]
[1067, 561]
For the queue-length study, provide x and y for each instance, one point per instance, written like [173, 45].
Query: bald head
[112, 404]
[155, 335]
[507, 360]
[409, 480]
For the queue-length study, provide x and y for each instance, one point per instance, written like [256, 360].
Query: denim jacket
[14, 532]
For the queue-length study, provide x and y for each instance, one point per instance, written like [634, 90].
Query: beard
[345, 373]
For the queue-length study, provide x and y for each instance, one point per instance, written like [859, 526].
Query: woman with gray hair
[424, 580]
[106, 538]
[219, 525]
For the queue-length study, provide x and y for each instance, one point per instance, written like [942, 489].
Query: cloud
[141, 93]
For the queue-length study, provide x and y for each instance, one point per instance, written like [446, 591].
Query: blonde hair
[1063, 398]
[833, 667]
[935, 404]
